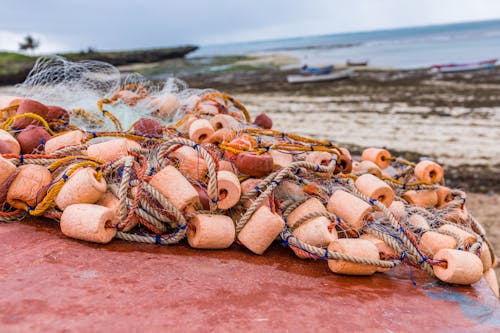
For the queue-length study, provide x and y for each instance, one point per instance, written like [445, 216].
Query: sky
[72, 25]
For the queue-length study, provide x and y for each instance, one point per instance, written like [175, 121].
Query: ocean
[403, 48]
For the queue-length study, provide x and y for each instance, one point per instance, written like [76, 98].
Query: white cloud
[121, 24]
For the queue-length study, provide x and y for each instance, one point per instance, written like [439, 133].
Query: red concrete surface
[51, 283]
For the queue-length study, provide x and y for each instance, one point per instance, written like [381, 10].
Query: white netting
[78, 85]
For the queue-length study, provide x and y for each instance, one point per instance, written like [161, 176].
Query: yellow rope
[48, 200]
[9, 108]
[6, 125]
[122, 135]
[54, 166]
[116, 121]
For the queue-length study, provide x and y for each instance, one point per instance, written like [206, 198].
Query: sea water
[399, 48]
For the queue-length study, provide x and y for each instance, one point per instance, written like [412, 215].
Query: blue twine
[196, 146]
[158, 239]
[284, 241]
[120, 172]
[372, 201]
[64, 176]
[21, 159]
[326, 254]
[257, 188]
[153, 171]
[275, 182]
[94, 135]
[413, 282]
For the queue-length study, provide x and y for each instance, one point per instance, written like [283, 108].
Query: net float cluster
[216, 178]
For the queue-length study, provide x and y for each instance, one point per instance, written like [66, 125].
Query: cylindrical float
[314, 231]
[261, 230]
[29, 186]
[112, 150]
[89, 223]
[319, 157]
[381, 157]
[349, 208]
[175, 188]
[418, 221]
[421, 198]
[375, 188]
[344, 161]
[354, 247]
[432, 242]
[67, 139]
[199, 130]
[210, 231]
[227, 166]
[7, 169]
[81, 187]
[8, 144]
[491, 277]
[485, 256]
[220, 136]
[229, 189]
[429, 172]
[466, 237]
[444, 196]
[398, 209]
[461, 267]
[190, 162]
[366, 167]
[220, 121]
[384, 250]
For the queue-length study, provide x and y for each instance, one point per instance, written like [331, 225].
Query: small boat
[321, 77]
[316, 70]
[356, 63]
[474, 66]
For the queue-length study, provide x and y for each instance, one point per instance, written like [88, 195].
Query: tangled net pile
[152, 163]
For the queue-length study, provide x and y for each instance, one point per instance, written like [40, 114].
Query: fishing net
[307, 192]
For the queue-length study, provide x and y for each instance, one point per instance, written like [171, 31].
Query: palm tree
[29, 43]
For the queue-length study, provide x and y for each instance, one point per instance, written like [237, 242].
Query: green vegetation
[15, 63]
[14, 66]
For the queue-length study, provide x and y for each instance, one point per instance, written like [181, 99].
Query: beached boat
[473, 66]
[317, 69]
[322, 77]
[356, 63]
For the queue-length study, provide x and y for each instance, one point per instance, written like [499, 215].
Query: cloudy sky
[63, 25]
